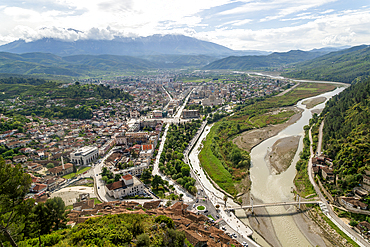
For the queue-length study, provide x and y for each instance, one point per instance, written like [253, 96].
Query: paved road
[325, 206]
[216, 197]
[319, 143]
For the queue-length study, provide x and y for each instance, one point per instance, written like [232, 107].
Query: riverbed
[267, 187]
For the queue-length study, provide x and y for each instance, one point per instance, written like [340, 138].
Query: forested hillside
[347, 133]
[275, 59]
[341, 66]
[52, 99]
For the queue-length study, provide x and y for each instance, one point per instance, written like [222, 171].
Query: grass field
[214, 167]
[71, 175]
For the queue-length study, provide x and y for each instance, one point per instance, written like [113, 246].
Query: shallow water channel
[278, 188]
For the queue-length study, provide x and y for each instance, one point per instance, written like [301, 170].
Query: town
[120, 152]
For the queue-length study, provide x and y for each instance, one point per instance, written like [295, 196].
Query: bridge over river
[274, 204]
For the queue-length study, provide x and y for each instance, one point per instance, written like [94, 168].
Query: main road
[215, 196]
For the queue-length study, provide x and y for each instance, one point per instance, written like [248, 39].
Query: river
[278, 188]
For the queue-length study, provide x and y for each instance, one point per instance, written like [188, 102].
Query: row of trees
[22, 218]
[171, 162]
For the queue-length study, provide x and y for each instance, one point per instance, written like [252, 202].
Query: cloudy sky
[271, 25]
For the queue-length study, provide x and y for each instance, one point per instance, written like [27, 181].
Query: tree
[57, 213]
[41, 223]
[143, 240]
[181, 196]
[14, 184]
[146, 175]
[157, 180]
[185, 170]
[50, 165]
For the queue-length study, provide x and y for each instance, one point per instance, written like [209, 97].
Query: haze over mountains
[141, 46]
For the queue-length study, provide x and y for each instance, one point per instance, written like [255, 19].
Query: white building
[127, 186]
[84, 155]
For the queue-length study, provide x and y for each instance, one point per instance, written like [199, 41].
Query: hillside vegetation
[276, 59]
[73, 101]
[342, 66]
[347, 135]
[115, 230]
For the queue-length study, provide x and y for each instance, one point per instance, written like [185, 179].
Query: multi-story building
[190, 114]
[84, 155]
[130, 138]
[128, 185]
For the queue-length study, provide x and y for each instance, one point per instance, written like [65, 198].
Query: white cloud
[248, 24]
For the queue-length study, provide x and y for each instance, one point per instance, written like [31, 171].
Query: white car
[245, 244]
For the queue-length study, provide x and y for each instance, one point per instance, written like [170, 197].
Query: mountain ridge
[344, 66]
[140, 46]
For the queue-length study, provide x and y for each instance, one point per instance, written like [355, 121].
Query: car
[194, 206]
[197, 201]
[223, 228]
[98, 187]
[217, 216]
[97, 174]
[245, 244]
[206, 211]
[234, 235]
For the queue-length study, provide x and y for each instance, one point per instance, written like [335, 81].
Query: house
[364, 228]
[327, 173]
[366, 182]
[61, 170]
[39, 188]
[352, 202]
[128, 185]
[15, 144]
[20, 158]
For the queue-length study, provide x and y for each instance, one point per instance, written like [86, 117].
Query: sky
[274, 25]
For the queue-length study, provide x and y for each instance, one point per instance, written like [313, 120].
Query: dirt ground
[247, 140]
[310, 103]
[280, 156]
[70, 194]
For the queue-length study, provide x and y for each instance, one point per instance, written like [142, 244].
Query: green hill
[347, 135]
[276, 59]
[343, 66]
[115, 230]
[75, 66]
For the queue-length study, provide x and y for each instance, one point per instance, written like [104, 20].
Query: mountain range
[91, 58]
[125, 46]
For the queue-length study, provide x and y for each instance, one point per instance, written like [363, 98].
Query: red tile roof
[127, 177]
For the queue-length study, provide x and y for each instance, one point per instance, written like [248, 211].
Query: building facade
[84, 155]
